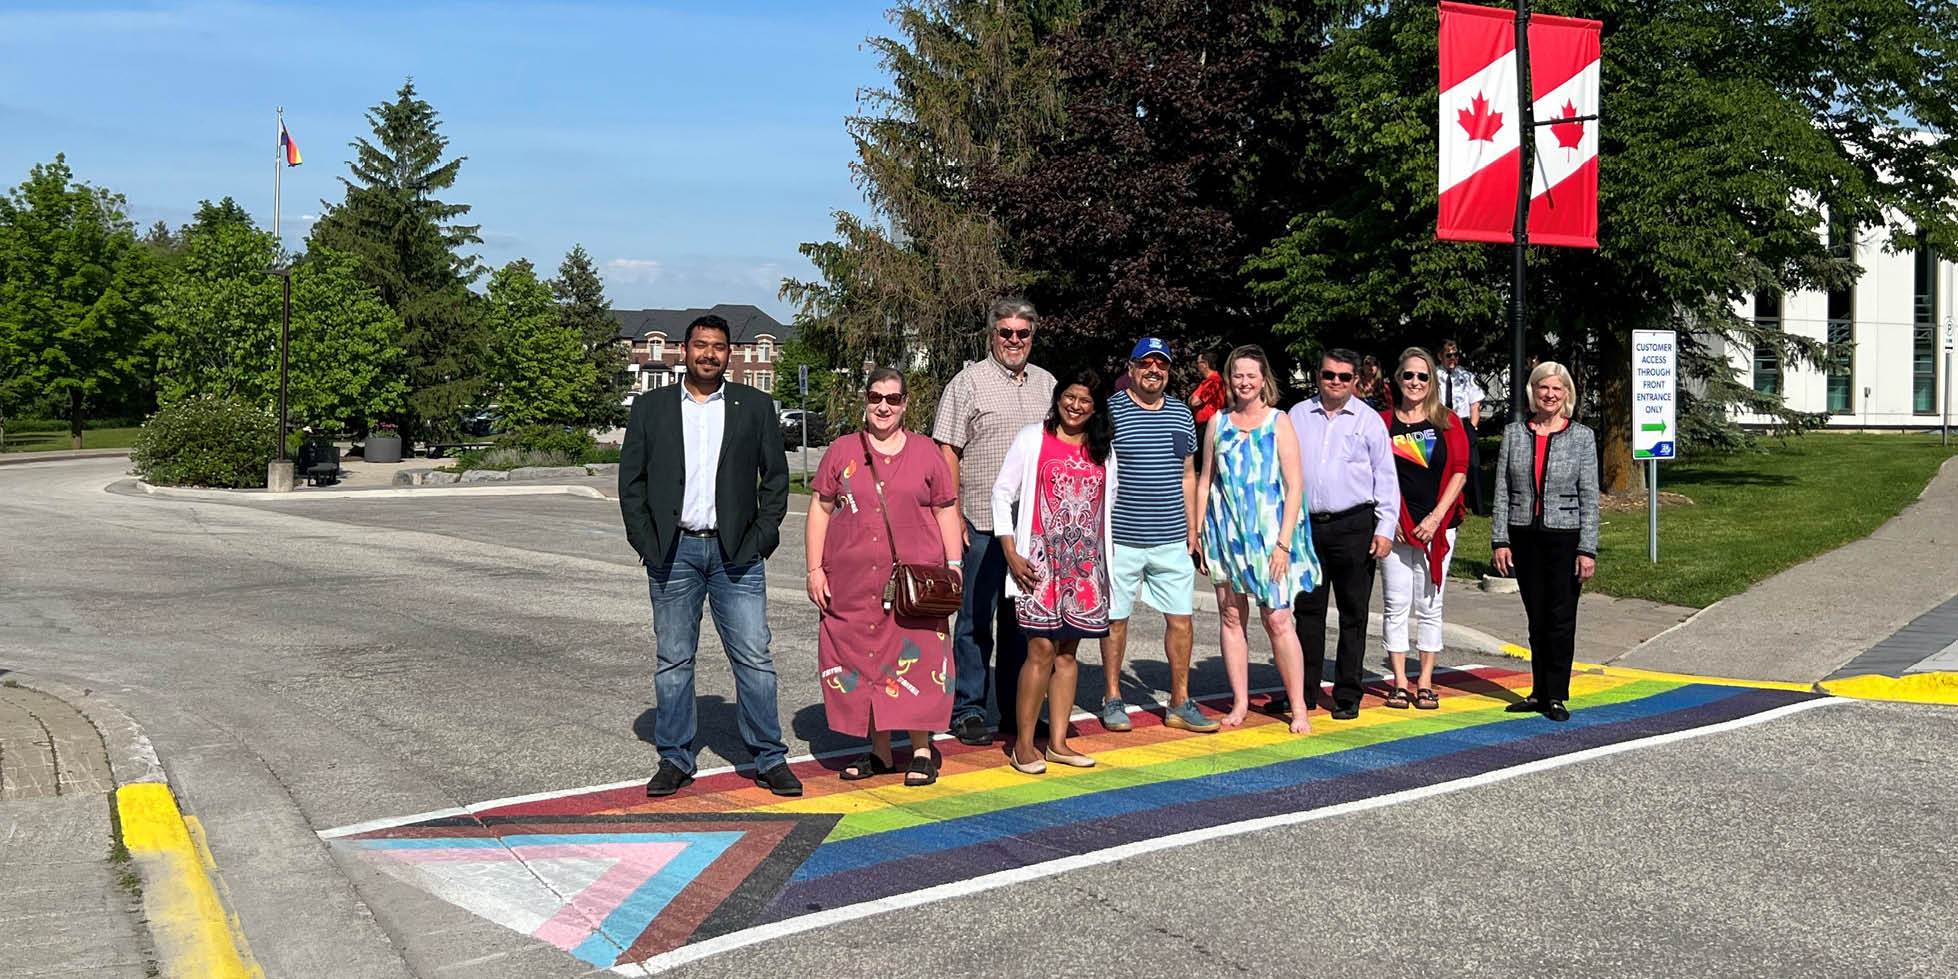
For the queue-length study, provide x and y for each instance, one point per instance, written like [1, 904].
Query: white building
[1898, 315]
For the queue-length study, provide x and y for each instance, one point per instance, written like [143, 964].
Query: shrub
[557, 439]
[206, 441]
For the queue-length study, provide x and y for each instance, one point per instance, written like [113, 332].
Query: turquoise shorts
[1165, 573]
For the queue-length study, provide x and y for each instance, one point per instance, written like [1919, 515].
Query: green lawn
[1754, 514]
[93, 438]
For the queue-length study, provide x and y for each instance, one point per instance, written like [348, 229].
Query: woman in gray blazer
[1545, 529]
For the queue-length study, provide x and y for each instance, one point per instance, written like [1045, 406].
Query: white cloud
[634, 270]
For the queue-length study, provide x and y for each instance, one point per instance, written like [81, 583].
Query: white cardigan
[1016, 483]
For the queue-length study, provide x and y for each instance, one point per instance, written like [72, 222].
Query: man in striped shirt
[1155, 532]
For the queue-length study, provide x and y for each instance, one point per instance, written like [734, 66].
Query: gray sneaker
[1115, 715]
[1186, 716]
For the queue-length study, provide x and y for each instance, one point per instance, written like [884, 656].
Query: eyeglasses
[893, 400]
[1343, 377]
[1413, 376]
[1005, 334]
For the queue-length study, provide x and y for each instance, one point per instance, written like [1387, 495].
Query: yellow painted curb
[1914, 688]
[1633, 673]
[195, 937]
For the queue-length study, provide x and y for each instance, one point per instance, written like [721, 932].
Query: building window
[765, 348]
[1841, 336]
[1924, 335]
[1767, 359]
[656, 348]
[763, 380]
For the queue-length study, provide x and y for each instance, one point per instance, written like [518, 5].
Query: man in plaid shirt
[979, 413]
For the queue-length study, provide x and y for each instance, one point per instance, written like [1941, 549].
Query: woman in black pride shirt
[1431, 457]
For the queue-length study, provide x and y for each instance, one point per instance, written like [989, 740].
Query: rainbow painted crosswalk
[640, 885]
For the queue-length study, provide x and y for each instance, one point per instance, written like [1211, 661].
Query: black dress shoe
[971, 729]
[780, 780]
[1527, 705]
[1556, 712]
[1346, 713]
[668, 780]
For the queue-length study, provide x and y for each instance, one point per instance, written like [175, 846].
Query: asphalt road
[305, 666]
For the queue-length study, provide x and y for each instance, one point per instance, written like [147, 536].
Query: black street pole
[1525, 145]
[285, 335]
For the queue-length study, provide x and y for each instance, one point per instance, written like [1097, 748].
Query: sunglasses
[1015, 334]
[1413, 376]
[1343, 377]
[889, 399]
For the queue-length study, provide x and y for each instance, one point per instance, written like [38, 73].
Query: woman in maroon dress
[879, 672]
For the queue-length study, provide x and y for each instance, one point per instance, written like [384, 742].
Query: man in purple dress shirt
[1354, 497]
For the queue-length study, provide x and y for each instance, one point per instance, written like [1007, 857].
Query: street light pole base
[278, 477]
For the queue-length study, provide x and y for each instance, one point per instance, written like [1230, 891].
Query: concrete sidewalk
[1816, 619]
[70, 904]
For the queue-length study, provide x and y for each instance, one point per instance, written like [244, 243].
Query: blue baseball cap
[1148, 346]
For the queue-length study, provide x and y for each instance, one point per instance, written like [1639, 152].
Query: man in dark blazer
[703, 486]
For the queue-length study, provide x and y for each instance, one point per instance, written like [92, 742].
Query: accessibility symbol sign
[1655, 394]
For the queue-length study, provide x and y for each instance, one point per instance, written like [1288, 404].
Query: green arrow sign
[1652, 427]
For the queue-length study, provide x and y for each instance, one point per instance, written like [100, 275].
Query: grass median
[1753, 514]
[92, 438]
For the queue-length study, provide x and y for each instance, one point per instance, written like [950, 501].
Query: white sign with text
[1655, 394]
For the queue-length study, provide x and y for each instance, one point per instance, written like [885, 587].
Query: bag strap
[883, 506]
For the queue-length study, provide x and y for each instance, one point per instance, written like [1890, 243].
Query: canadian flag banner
[1480, 135]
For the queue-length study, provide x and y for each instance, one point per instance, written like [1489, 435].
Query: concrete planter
[381, 448]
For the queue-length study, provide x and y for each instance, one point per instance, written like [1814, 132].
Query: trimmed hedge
[206, 441]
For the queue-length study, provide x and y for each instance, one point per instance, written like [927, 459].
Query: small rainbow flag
[291, 148]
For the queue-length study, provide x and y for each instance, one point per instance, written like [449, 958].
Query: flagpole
[285, 278]
[278, 170]
[1519, 284]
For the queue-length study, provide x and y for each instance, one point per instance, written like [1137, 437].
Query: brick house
[656, 336]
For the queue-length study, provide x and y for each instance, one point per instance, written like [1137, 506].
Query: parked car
[792, 422]
[479, 422]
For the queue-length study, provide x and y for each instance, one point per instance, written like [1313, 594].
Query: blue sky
[690, 146]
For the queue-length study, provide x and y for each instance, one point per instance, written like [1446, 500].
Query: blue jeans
[739, 594]
[986, 623]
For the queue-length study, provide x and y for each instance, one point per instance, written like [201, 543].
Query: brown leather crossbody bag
[924, 591]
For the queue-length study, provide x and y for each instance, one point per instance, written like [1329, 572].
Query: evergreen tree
[409, 248]
[73, 281]
[537, 369]
[973, 91]
[584, 310]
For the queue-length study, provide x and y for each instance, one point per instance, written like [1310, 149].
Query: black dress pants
[1546, 574]
[1346, 565]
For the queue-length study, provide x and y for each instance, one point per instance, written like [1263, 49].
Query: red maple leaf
[1481, 123]
[1570, 135]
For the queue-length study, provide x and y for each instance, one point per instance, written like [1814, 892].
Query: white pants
[1409, 588]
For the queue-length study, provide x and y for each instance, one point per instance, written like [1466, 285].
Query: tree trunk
[75, 417]
[1617, 473]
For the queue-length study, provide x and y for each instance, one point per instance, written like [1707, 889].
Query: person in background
[1052, 499]
[979, 414]
[1208, 398]
[881, 673]
[1431, 459]
[1369, 387]
[1545, 528]
[1255, 543]
[1354, 498]
[1462, 394]
[1155, 526]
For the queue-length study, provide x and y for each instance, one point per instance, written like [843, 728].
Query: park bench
[436, 450]
[319, 463]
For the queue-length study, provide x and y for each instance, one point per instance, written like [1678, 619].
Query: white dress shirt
[702, 424]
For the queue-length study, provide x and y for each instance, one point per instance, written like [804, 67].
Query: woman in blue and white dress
[1256, 541]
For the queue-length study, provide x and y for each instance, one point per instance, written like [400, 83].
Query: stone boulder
[485, 476]
[411, 477]
[439, 478]
[548, 472]
[602, 468]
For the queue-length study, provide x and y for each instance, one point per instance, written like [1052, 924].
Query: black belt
[1352, 511]
[709, 532]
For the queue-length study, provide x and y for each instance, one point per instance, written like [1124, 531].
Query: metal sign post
[1655, 422]
[802, 375]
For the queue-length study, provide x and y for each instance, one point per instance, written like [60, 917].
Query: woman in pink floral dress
[1058, 481]
[881, 672]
